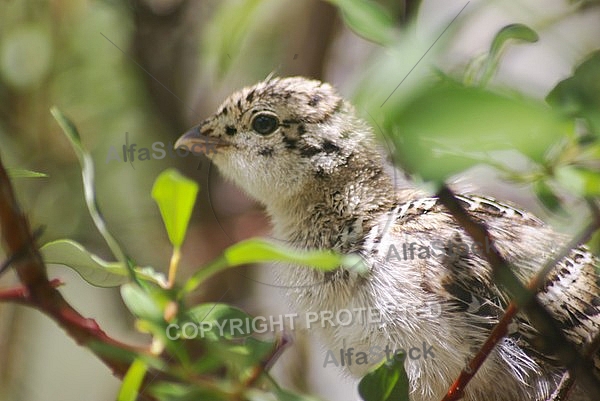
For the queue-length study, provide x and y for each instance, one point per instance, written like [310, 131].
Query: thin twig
[578, 366]
[566, 382]
[280, 345]
[20, 294]
[501, 328]
[564, 387]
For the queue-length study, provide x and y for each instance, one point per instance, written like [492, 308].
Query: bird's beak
[198, 140]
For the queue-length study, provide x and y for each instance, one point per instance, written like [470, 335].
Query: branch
[501, 328]
[522, 297]
[20, 294]
[269, 360]
[566, 382]
[37, 291]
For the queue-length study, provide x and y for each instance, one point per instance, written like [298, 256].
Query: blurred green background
[144, 71]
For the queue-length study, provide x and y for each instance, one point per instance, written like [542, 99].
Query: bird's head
[284, 137]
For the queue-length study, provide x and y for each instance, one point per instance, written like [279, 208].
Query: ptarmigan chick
[298, 147]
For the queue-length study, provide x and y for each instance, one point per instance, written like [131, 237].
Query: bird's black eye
[265, 124]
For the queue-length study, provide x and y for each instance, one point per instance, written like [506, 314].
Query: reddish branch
[579, 366]
[20, 294]
[37, 291]
[501, 329]
[278, 348]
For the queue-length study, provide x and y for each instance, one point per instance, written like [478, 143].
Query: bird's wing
[571, 292]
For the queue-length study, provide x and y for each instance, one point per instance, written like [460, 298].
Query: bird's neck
[336, 211]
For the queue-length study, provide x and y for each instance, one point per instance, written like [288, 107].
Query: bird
[300, 149]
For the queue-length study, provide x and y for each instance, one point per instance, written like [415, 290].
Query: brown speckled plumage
[297, 147]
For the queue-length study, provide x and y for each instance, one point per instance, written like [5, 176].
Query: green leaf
[214, 321]
[175, 196]
[240, 357]
[388, 382]
[132, 381]
[91, 267]
[579, 181]
[212, 363]
[22, 173]
[68, 128]
[547, 196]
[165, 391]
[440, 124]
[579, 95]
[87, 172]
[368, 19]
[141, 303]
[258, 250]
[118, 353]
[510, 32]
[518, 32]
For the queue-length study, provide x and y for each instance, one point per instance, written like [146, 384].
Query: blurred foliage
[578, 96]
[443, 124]
[446, 123]
[483, 68]
[228, 31]
[54, 53]
[21, 173]
[368, 19]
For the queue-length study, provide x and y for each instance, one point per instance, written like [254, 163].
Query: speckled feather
[325, 186]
